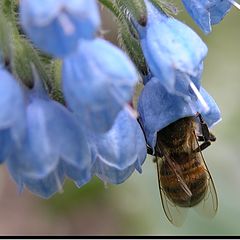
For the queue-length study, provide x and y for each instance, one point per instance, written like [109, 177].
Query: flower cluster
[42, 140]
[92, 129]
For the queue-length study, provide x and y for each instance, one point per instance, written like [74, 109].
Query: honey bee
[183, 177]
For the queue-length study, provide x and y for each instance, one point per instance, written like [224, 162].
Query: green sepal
[133, 48]
[55, 76]
[135, 8]
[5, 41]
[165, 6]
[23, 56]
[112, 7]
[9, 8]
[127, 34]
[16, 51]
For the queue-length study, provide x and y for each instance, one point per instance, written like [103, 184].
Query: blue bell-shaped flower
[98, 80]
[159, 108]
[12, 114]
[54, 139]
[206, 13]
[171, 48]
[56, 26]
[43, 187]
[119, 151]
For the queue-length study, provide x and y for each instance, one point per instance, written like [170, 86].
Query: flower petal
[170, 47]
[47, 186]
[119, 151]
[207, 12]
[12, 115]
[97, 82]
[158, 108]
[56, 26]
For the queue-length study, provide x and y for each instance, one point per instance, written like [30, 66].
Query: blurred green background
[134, 207]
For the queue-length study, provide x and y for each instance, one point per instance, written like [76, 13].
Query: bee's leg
[207, 137]
[203, 146]
[149, 150]
[155, 159]
[158, 153]
[202, 139]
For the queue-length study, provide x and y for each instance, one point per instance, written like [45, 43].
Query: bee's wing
[209, 205]
[175, 214]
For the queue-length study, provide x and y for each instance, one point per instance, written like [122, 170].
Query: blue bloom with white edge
[12, 114]
[207, 12]
[158, 108]
[171, 48]
[56, 26]
[54, 138]
[120, 151]
[98, 80]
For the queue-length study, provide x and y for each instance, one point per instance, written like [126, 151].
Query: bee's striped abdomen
[193, 174]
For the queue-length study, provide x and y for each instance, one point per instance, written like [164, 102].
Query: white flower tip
[58, 181]
[215, 123]
[200, 97]
[235, 4]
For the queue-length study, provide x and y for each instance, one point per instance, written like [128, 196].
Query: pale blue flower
[56, 26]
[6, 143]
[54, 138]
[43, 187]
[12, 114]
[207, 12]
[158, 108]
[47, 186]
[171, 48]
[120, 151]
[98, 81]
